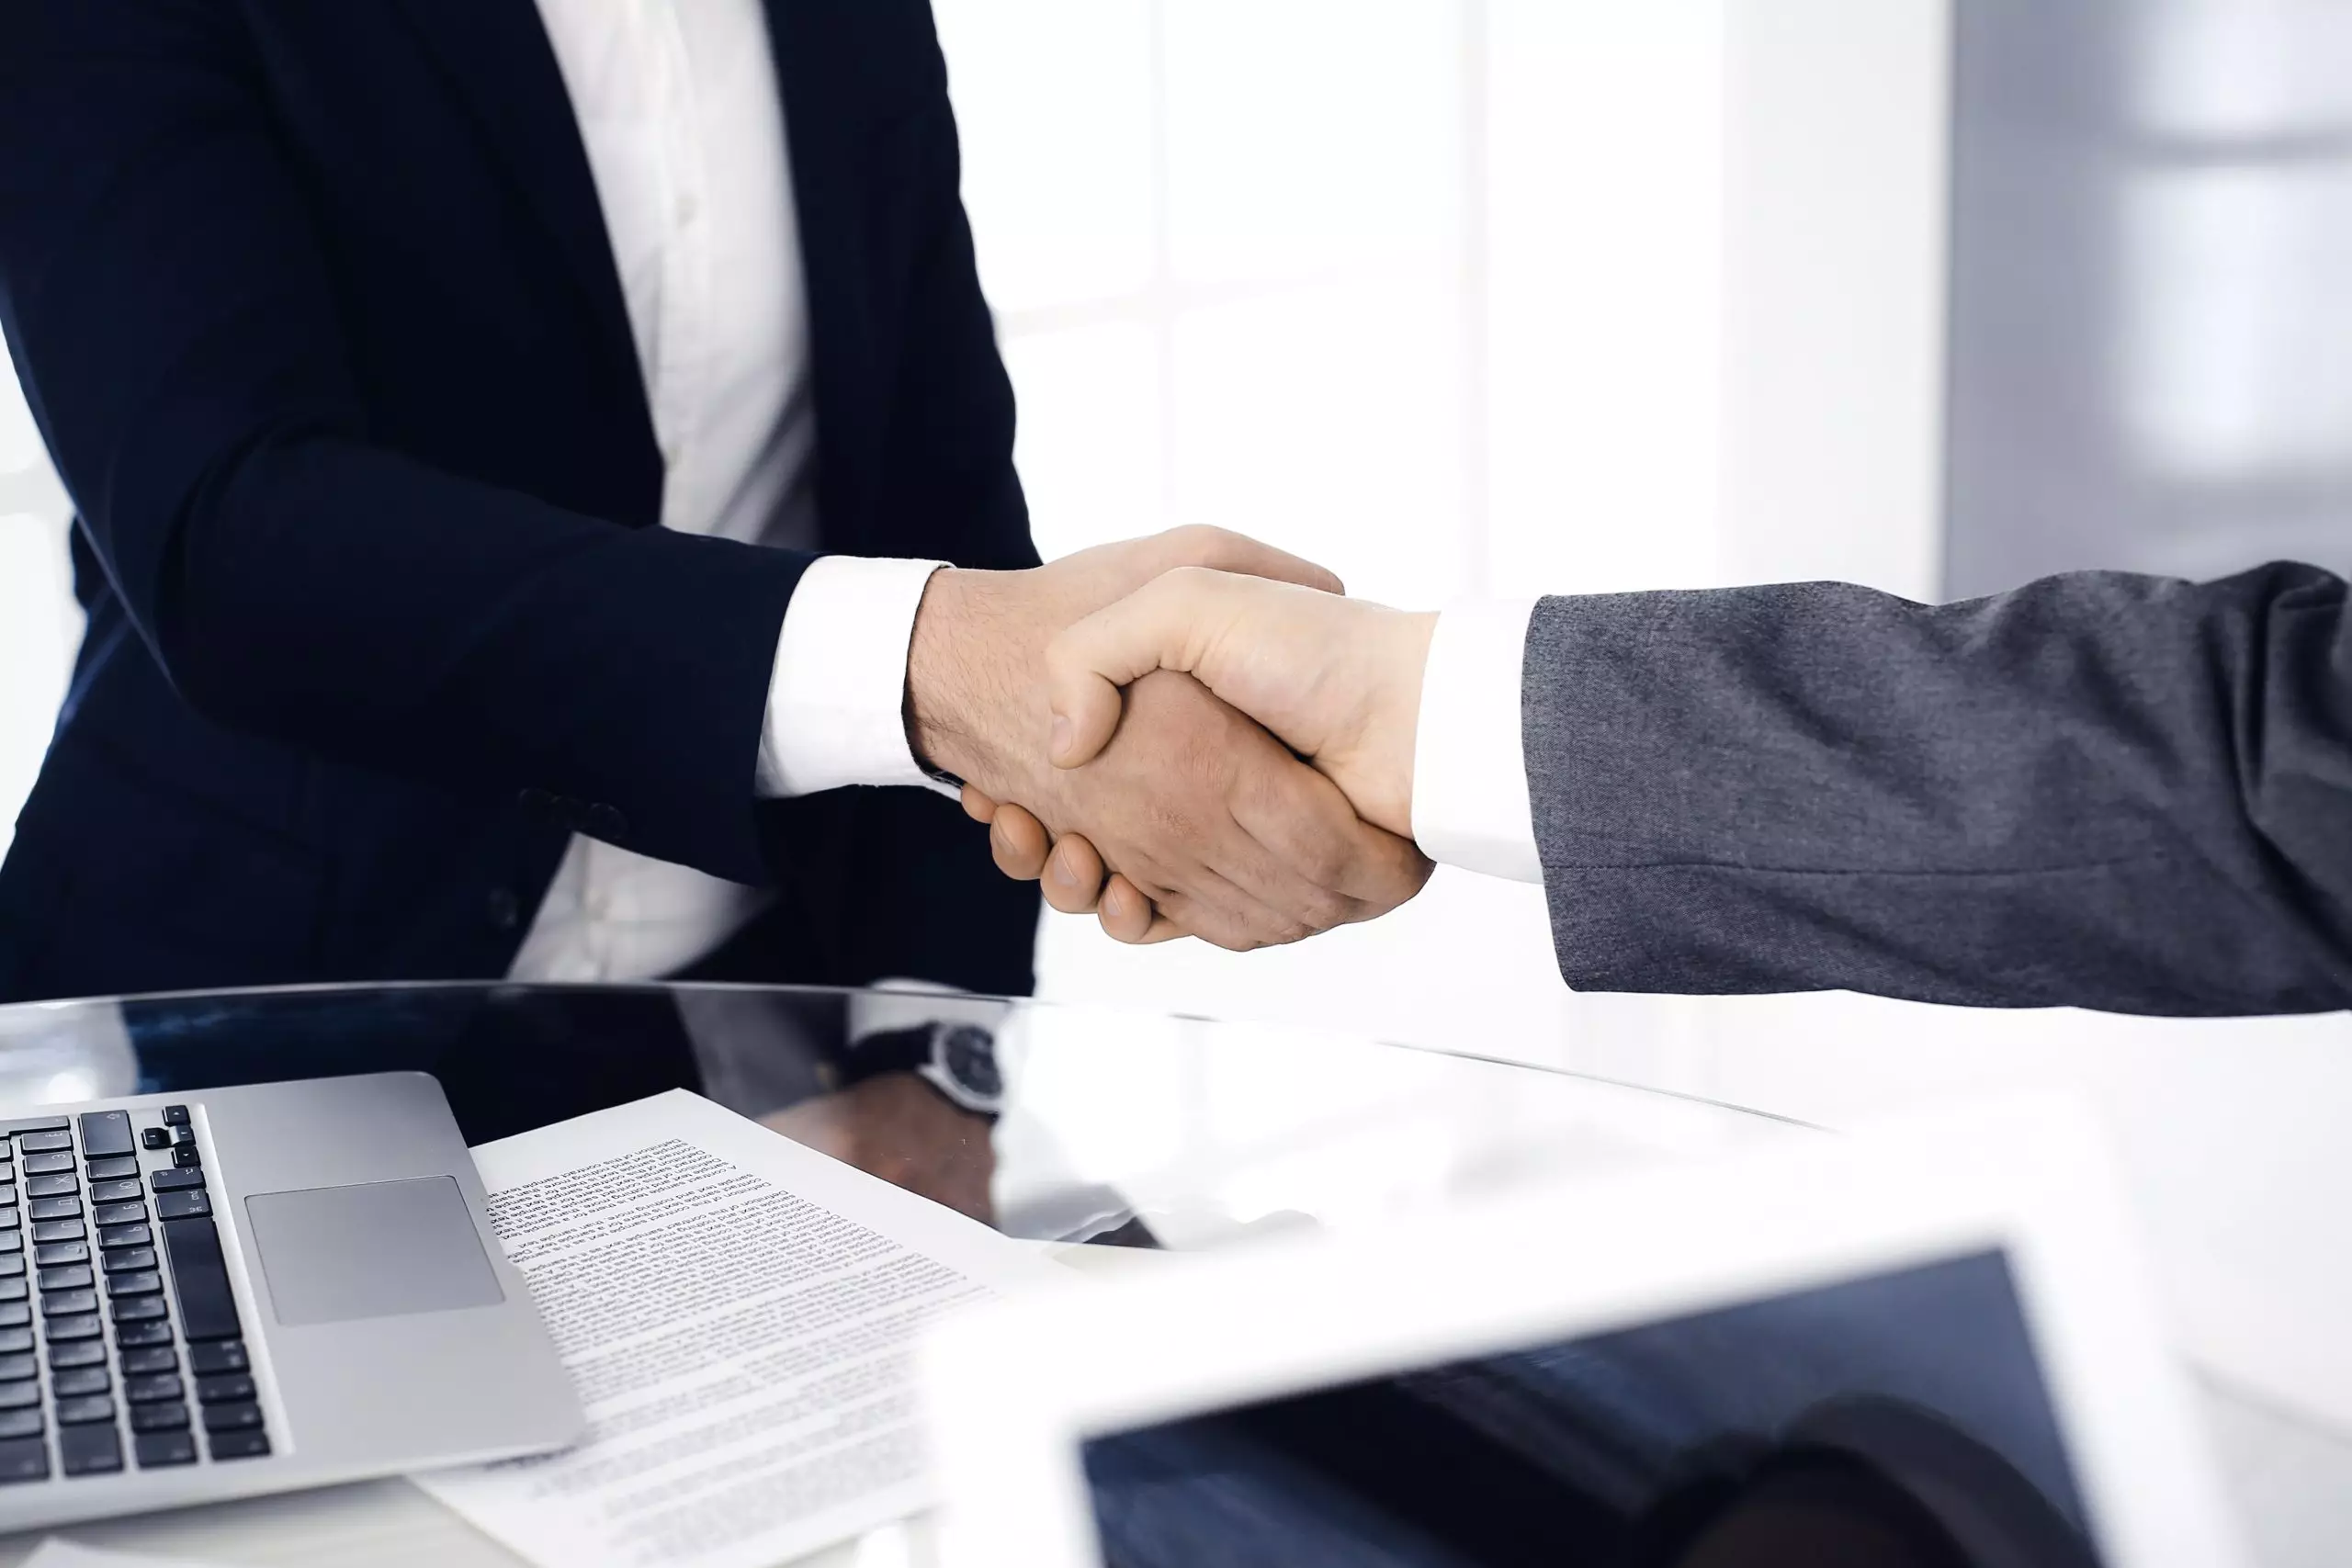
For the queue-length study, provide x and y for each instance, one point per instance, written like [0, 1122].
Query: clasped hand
[1110, 714]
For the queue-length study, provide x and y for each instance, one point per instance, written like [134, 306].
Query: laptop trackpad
[380, 1250]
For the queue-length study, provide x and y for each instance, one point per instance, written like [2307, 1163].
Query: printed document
[738, 1313]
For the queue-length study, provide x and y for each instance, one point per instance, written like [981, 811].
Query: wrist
[954, 683]
[1395, 729]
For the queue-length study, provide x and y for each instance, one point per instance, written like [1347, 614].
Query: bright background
[1517, 296]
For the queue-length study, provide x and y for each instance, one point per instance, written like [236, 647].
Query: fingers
[1073, 876]
[1019, 844]
[1128, 917]
[1168, 624]
[1222, 550]
[979, 807]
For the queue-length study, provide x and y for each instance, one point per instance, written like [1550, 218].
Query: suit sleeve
[2104, 791]
[175, 330]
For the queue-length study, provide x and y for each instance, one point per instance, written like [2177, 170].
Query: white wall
[1461, 295]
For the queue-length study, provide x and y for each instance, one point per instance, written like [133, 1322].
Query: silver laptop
[237, 1291]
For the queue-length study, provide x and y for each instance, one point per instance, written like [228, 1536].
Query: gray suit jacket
[2100, 790]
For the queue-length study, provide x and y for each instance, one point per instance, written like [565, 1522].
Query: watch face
[969, 1055]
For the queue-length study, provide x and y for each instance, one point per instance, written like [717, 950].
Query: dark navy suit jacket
[315, 310]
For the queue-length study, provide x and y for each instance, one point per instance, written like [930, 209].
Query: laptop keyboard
[92, 1348]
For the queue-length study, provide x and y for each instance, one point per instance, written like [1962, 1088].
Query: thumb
[1221, 549]
[1168, 624]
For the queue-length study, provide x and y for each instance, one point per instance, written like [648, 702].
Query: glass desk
[1122, 1135]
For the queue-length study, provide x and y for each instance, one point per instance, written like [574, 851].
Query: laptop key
[69, 1277]
[79, 1412]
[12, 1241]
[156, 1448]
[134, 1283]
[61, 1329]
[24, 1459]
[46, 1165]
[127, 1260]
[186, 1157]
[185, 1205]
[141, 1309]
[175, 1116]
[228, 1417]
[12, 1266]
[88, 1450]
[51, 1253]
[113, 1191]
[162, 1389]
[120, 1214]
[12, 1290]
[14, 1339]
[182, 1136]
[113, 1170]
[199, 1277]
[107, 1132]
[173, 1181]
[12, 1368]
[19, 1395]
[124, 1235]
[140, 1336]
[48, 1141]
[65, 1186]
[78, 1353]
[146, 1363]
[9, 1218]
[158, 1417]
[67, 1229]
[228, 1388]
[15, 1314]
[155, 1138]
[81, 1380]
[227, 1356]
[22, 1423]
[237, 1445]
[54, 1208]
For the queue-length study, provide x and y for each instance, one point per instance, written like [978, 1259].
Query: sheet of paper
[59, 1552]
[738, 1313]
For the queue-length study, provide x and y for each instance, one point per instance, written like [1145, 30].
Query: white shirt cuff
[837, 698]
[1470, 803]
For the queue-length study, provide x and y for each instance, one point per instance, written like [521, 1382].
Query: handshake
[1192, 734]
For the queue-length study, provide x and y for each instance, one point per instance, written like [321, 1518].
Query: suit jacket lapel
[826, 125]
[495, 53]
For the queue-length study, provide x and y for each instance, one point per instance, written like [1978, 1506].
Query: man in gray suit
[2100, 790]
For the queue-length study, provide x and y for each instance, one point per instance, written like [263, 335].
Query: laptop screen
[1898, 1420]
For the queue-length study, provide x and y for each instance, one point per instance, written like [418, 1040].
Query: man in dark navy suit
[514, 443]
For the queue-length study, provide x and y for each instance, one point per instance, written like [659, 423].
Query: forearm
[352, 603]
[2100, 791]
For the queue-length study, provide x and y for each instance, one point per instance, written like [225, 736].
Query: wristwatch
[956, 1059]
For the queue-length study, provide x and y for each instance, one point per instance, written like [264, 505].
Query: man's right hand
[1210, 818]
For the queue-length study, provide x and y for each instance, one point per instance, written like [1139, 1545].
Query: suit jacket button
[504, 909]
[606, 823]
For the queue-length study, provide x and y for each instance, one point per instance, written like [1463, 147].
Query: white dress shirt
[1470, 801]
[683, 121]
